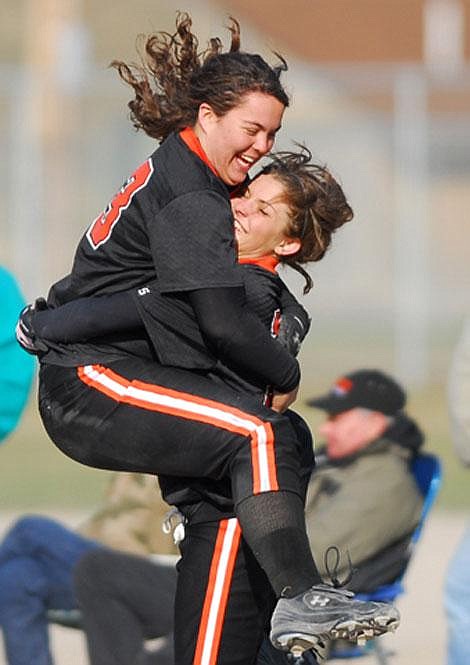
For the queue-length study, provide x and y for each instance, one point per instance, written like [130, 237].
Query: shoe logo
[318, 600]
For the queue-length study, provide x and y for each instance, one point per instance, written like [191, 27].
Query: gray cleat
[313, 617]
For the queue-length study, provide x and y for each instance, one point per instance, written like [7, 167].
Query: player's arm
[220, 314]
[240, 340]
[76, 321]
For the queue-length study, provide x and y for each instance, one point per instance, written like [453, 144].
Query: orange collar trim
[269, 263]
[193, 143]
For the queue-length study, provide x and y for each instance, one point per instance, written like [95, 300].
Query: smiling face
[237, 140]
[261, 220]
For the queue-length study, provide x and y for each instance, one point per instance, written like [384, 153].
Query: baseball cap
[365, 388]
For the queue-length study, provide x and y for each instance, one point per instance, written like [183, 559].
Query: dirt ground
[420, 640]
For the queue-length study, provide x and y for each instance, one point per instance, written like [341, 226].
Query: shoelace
[332, 572]
[336, 584]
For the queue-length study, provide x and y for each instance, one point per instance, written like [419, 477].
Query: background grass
[35, 475]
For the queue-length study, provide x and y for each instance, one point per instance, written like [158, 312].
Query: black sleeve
[85, 318]
[193, 244]
[240, 339]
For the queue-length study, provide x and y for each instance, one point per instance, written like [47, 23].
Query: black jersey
[170, 221]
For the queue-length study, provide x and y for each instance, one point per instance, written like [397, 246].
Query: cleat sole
[296, 644]
[351, 630]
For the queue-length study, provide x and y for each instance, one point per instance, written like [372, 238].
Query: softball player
[111, 405]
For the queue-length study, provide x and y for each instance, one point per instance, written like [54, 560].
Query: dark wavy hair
[317, 204]
[173, 78]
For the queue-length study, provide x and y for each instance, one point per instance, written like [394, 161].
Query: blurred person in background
[457, 584]
[16, 368]
[365, 496]
[38, 554]
[362, 498]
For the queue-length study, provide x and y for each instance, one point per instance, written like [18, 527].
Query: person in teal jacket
[16, 367]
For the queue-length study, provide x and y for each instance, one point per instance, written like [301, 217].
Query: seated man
[362, 498]
[38, 554]
[362, 495]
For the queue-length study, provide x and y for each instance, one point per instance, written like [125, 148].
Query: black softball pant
[223, 598]
[139, 416]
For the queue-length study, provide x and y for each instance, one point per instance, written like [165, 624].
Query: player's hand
[24, 331]
[282, 401]
[292, 331]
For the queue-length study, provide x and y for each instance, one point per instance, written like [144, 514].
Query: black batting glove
[292, 331]
[24, 331]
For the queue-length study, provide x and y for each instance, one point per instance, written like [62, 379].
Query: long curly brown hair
[317, 204]
[173, 78]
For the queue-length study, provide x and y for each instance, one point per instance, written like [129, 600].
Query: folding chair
[427, 471]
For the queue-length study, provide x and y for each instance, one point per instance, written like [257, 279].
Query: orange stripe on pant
[218, 588]
[192, 407]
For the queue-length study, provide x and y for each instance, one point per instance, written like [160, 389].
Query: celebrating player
[110, 404]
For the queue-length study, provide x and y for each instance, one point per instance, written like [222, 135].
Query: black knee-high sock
[273, 525]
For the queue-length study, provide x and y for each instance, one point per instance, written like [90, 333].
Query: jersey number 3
[101, 229]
